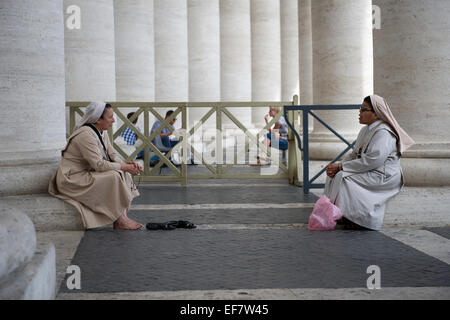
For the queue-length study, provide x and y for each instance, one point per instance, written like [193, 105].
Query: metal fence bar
[306, 110]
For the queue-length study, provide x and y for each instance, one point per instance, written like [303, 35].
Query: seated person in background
[163, 143]
[130, 136]
[365, 180]
[91, 177]
[278, 136]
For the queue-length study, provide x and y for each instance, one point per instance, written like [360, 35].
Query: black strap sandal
[185, 224]
[159, 226]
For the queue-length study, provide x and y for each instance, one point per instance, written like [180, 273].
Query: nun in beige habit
[366, 179]
[91, 177]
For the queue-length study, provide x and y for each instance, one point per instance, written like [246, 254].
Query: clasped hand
[332, 169]
[131, 167]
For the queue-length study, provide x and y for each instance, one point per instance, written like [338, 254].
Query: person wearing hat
[91, 177]
[371, 174]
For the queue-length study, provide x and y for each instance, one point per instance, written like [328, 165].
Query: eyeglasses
[364, 110]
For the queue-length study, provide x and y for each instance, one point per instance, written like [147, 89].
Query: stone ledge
[47, 212]
[36, 281]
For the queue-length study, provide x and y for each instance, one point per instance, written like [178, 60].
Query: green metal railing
[216, 170]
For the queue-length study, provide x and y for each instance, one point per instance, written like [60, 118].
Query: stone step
[36, 281]
[412, 207]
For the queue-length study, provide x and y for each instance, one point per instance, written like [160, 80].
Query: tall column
[171, 50]
[305, 52]
[342, 68]
[266, 55]
[235, 55]
[134, 49]
[171, 53]
[89, 53]
[32, 94]
[411, 68]
[204, 54]
[289, 49]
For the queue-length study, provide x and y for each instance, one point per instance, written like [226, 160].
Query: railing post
[146, 148]
[72, 119]
[305, 151]
[219, 150]
[292, 161]
[184, 147]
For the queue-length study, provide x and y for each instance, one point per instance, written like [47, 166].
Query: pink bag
[324, 215]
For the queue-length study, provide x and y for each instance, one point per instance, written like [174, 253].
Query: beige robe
[96, 187]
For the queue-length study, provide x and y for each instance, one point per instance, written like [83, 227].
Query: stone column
[134, 49]
[171, 53]
[204, 55]
[411, 68]
[266, 55]
[305, 57]
[89, 52]
[32, 136]
[289, 49]
[342, 68]
[32, 94]
[235, 56]
[305, 52]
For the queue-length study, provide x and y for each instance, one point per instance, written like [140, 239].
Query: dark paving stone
[442, 231]
[118, 261]
[225, 216]
[224, 194]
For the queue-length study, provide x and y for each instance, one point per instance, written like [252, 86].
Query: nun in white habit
[371, 174]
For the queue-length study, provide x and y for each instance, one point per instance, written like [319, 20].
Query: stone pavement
[252, 242]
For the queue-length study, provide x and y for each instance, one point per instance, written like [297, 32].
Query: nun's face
[366, 114]
[107, 121]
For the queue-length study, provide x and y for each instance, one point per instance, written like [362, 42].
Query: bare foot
[124, 223]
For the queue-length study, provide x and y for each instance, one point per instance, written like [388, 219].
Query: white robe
[364, 185]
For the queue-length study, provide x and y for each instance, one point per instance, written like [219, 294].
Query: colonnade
[227, 50]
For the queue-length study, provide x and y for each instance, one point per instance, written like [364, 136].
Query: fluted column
[266, 55]
[134, 49]
[289, 49]
[342, 68]
[204, 54]
[32, 94]
[235, 55]
[411, 68]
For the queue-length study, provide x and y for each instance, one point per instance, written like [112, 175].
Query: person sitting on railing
[91, 177]
[131, 137]
[365, 180]
[278, 136]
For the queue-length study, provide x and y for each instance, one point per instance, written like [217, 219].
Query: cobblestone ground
[252, 242]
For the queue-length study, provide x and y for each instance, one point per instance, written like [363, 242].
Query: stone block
[17, 240]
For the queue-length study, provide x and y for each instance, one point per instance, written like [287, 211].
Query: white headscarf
[93, 112]
[384, 113]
